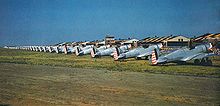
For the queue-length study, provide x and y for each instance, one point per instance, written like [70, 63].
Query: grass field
[53, 59]
[40, 85]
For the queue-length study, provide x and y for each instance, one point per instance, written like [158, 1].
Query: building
[207, 38]
[100, 43]
[166, 40]
[177, 41]
[109, 40]
[211, 38]
[133, 42]
[92, 42]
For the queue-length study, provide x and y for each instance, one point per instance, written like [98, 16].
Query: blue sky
[41, 22]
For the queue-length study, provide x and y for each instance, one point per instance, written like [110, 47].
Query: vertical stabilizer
[65, 49]
[154, 57]
[116, 53]
[57, 49]
[93, 52]
[77, 51]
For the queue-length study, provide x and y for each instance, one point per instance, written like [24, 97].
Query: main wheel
[138, 58]
[203, 62]
[209, 62]
[197, 61]
[181, 62]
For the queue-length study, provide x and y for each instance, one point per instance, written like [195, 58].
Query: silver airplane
[33, 48]
[40, 48]
[110, 51]
[50, 49]
[83, 51]
[137, 53]
[56, 49]
[95, 50]
[62, 49]
[45, 49]
[199, 54]
[36, 48]
[69, 49]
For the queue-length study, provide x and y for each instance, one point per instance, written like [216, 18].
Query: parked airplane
[69, 49]
[110, 51]
[31, 48]
[199, 54]
[60, 49]
[45, 49]
[137, 53]
[83, 51]
[56, 49]
[95, 50]
[63, 49]
[50, 49]
[40, 48]
[36, 48]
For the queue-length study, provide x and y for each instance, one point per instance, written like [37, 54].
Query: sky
[45, 22]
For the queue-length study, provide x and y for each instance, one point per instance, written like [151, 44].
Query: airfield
[38, 78]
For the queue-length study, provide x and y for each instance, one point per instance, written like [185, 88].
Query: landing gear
[209, 62]
[138, 58]
[197, 61]
[150, 58]
[142, 58]
[181, 62]
[203, 61]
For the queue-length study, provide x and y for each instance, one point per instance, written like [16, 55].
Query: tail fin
[50, 49]
[40, 49]
[45, 49]
[154, 57]
[116, 53]
[65, 49]
[93, 52]
[57, 49]
[77, 51]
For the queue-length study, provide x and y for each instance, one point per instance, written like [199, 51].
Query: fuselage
[183, 54]
[109, 51]
[140, 52]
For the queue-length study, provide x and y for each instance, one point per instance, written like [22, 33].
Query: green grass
[53, 59]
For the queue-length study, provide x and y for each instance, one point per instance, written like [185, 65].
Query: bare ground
[36, 85]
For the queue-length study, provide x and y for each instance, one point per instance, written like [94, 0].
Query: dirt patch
[178, 99]
[114, 90]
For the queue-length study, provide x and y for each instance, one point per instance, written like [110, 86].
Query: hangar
[168, 41]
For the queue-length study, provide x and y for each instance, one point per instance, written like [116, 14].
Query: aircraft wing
[198, 56]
